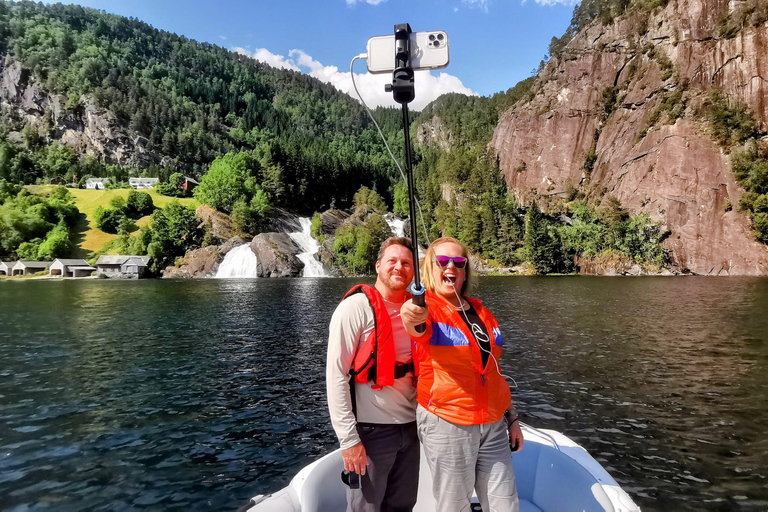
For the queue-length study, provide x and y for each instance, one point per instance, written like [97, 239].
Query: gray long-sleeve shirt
[350, 325]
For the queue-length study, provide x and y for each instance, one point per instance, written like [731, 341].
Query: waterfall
[238, 263]
[312, 266]
[396, 225]
[398, 228]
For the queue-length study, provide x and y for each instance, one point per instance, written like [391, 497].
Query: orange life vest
[375, 357]
[452, 381]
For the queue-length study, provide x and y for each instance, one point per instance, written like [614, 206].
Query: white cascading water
[304, 239]
[238, 263]
[398, 228]
[396, 225]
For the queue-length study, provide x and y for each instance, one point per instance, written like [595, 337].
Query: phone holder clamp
[402, 77]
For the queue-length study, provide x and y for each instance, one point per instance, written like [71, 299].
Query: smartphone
[429, 50]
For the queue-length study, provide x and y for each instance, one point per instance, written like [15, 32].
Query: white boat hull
[553, 473]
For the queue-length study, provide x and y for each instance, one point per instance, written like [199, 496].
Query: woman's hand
[413, 315]
[515, 436]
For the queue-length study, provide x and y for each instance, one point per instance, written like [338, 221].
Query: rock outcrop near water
[202, 262]
[590, 124]
[220, 226]
[276, 253]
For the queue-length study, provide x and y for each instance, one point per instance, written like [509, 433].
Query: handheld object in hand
[351, 479]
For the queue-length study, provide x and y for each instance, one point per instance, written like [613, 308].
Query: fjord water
[170, 394]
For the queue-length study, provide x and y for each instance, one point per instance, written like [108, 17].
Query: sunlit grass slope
[89, 238]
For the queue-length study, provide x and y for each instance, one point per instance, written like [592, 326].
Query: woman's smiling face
[448, 278]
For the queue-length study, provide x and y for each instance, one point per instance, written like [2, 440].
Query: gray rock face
[276, 253]
[433, 133]
[332, 219]
[89, 129]
[196, 263]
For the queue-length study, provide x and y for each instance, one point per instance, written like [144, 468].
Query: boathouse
[119, 265]
[25, 268]
[70, 268]
[6, 268]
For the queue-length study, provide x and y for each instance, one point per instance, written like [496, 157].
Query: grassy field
[87, 236]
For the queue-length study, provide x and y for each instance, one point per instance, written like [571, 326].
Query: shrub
[317, 228]
[108, 220]
[368, 201]
[55, 245]
[357, 246]
[750, 166]
[139, 204]
[732, 124]
[760, 223]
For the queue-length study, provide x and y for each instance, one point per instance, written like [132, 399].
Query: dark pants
[391, 480]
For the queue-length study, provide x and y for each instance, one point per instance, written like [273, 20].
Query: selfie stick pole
[403, 93]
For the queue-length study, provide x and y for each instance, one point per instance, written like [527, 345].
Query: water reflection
[667, 375]
[197, 394]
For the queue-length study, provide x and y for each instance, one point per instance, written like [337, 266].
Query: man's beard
[390, 283]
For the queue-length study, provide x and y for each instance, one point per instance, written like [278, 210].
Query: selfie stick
[403, 93]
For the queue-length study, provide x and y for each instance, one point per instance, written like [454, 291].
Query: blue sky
[493, 43]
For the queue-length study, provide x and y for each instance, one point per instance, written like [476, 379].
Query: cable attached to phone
[384, 140]
[421, 214]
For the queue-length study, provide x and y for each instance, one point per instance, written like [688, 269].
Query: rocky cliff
[621, 112]
[85, 127]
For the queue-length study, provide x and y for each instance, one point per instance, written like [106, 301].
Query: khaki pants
[466, 457]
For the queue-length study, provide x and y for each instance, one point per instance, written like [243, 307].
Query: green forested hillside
[192, 102]
[258, 138]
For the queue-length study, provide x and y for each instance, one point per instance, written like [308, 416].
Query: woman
[466, 422]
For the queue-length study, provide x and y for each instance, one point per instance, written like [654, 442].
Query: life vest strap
[401, 370]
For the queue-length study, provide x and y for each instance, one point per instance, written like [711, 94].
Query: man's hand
[413, 315]
[355, 459]
[515, 436]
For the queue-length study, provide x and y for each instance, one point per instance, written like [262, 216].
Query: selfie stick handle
[417, 290]
[403, 92]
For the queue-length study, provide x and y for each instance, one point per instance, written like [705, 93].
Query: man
[371, 386]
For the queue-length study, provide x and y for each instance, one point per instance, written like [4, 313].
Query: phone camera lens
[431, 37]
[440, 37]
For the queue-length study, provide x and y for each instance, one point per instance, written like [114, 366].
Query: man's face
[395, 268]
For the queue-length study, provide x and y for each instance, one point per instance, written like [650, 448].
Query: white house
[143, 182]
[119, 265]
[96, 183]
[6, 268]
[25, 268]
[70, 268]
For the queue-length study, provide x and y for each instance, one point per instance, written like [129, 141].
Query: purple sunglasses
[444, 261]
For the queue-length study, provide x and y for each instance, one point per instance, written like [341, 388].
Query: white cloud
[267, 57]
[371, 87]
[555, 2]
[372, 2]
[481, 4]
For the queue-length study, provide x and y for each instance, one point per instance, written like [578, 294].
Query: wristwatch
[510, 415]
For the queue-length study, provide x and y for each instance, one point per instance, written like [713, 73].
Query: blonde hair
[426, 265]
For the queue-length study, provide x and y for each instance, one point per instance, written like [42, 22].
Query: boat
[553, 474]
